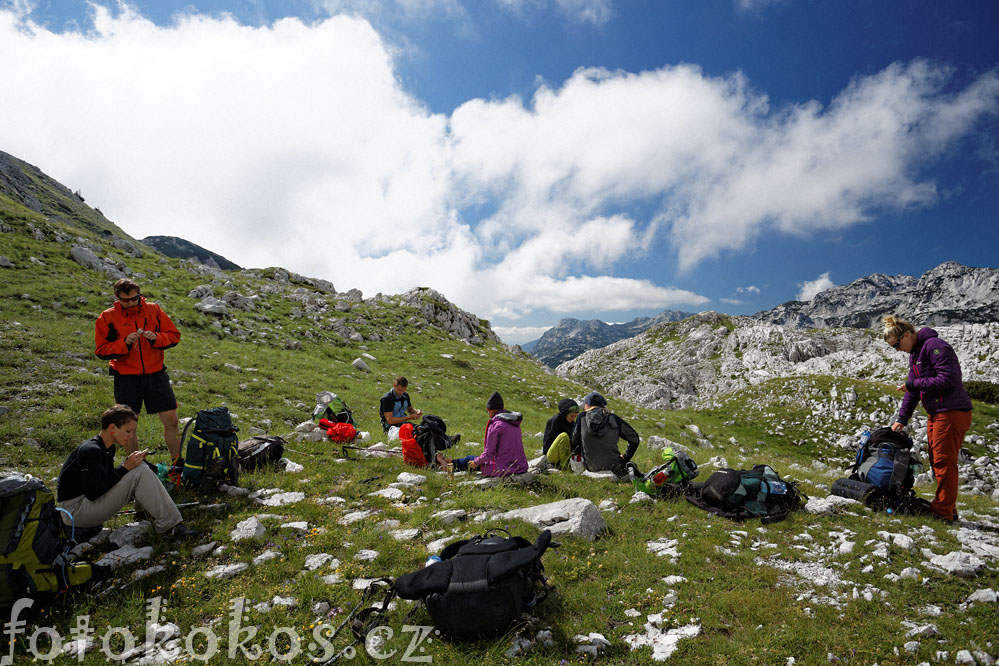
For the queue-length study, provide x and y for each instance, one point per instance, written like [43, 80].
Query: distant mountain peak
[950, 293]
[178, 248]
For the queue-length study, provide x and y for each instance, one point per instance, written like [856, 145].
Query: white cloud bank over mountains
[296, 145]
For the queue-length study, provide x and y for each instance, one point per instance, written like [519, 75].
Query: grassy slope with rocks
[759, 595]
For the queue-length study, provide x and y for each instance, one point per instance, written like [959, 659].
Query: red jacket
[144, 357]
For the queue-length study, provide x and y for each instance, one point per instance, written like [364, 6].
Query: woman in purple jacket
[503, 451]
[934, 378]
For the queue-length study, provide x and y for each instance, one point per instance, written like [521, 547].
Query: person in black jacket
[93, 490]
[596, 433]
[557, 432]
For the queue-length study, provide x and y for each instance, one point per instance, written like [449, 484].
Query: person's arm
[166, 334]
[945, 374]
[108, 343]
[576, 438]
[909, 402]
[96, 475]
[628, 434]
[489, 447]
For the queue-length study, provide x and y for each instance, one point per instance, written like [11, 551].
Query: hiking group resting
[133, 334]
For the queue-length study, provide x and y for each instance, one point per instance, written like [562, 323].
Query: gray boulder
[577, 516]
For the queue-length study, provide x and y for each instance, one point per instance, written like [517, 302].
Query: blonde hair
[895, 328]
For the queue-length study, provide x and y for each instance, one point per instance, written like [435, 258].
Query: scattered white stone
[987, 595]
[388, 493]
[608, 505]
[640, 497]
[142, 573]
[631, 612]
[824, 506]
[77, 648]
[291, 466]
[923, 630]
[286, 602]
[331, 501]
[283, 499]
[266, 556]
[125, 555]
[251, 528]
[361, 584]
[577, 516]
[450, 516]
[674, 580]
[226, 570]
[406, 534]
[437, 546]
[959, 563]
[313, 562]
[911, 647]
[520, 645]
[355, 516]
[663, 547]
[409, 477]
[203, 549]
[298, 526]
[130, 534]
[366, 555]
[663, 643]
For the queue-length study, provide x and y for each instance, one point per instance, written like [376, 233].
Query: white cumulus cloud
[295, 144]
[812, 287]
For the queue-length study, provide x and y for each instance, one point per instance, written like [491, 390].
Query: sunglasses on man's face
[133, 299]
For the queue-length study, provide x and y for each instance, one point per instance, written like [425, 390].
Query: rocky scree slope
[692, 362]
[948, 294]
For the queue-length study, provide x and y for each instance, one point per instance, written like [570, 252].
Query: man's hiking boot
[182, 531]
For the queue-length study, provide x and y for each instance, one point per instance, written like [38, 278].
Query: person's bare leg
[171, 432]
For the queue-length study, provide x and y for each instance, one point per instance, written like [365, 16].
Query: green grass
[751, 614]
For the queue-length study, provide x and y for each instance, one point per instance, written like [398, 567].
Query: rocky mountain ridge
[948, 294]
[571, 337]
[178, 248]
[692, 362]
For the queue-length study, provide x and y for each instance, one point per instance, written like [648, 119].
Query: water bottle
[432, 559]
[865, 437]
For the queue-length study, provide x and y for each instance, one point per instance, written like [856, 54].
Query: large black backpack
[260, 451]
[749, 493]
[34, 548]
[481, 585]
[212, 452]
[431, 434]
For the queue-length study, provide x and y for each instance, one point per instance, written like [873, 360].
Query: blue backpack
[885, 462]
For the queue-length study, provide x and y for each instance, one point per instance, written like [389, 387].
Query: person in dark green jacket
[596, 433]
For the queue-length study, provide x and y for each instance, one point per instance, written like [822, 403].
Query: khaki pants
[139, 484]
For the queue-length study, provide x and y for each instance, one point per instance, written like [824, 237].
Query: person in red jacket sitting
[132, 336]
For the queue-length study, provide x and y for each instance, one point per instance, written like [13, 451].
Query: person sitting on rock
[92, 490]
[395, 406]
[503, 448]
[555, 444]
[596, 433]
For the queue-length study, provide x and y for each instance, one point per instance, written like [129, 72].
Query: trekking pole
[345, 447]
[182, 505]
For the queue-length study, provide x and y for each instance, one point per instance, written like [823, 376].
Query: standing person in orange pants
[935, 379]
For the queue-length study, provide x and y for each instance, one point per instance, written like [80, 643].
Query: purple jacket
[934, 377]
[503, 453]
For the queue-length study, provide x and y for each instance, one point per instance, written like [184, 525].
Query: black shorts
[154, 390]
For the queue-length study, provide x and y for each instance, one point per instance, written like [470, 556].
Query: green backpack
[34, 552]
[212, 453]
[670, 478]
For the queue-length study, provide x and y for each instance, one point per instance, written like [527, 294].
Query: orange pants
[945, 434]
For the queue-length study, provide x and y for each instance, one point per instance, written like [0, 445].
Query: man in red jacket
[132, 336]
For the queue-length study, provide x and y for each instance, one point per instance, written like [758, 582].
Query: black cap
[495, 401]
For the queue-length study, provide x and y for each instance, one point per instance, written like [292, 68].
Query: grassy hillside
[739, 583]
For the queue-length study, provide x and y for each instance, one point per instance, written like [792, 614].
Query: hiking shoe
[140, 515]
[181, 531]
[455, 439]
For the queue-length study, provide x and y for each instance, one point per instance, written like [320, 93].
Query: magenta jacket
[503, 453]
[934, 378]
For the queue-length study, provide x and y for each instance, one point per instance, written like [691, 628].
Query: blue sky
[531, 159]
